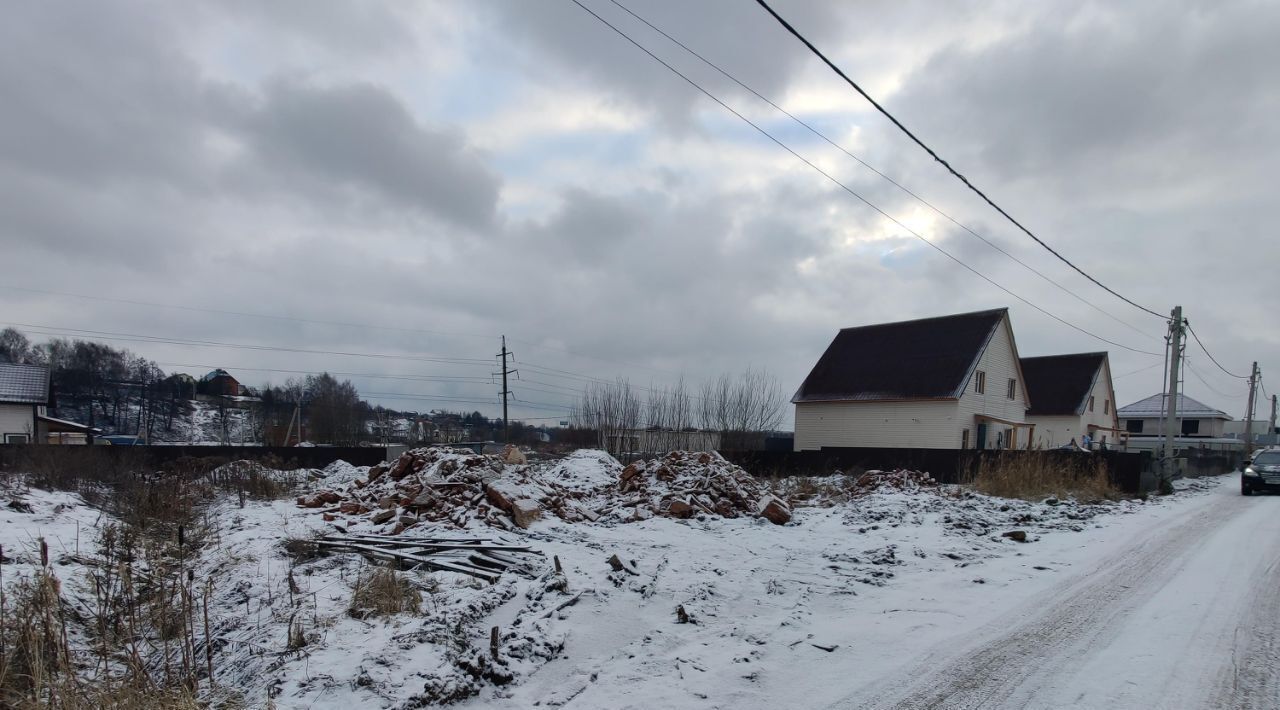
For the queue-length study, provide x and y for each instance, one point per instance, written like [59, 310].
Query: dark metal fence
[945, 465]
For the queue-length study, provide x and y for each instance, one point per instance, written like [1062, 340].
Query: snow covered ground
[895, 599]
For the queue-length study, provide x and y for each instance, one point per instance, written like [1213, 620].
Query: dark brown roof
[24, 384]
[930, 358]
[1060, 384]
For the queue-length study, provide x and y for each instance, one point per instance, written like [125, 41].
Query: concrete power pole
[1248, 414]
[1171, 411]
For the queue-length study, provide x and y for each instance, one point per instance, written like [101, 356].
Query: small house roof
[928, 358]
[216, 374]
[24, 384]
[1060, 384]
[1152, 407]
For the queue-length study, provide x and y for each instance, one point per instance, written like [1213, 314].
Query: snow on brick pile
[684, 484]
[441, 485]
[901, 480]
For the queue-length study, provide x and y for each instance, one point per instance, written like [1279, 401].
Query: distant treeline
[121, 392]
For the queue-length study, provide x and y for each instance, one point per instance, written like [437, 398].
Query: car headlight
[1248, 471]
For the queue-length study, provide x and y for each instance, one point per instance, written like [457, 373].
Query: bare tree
[15, 348]
[670, 419]
[742, 408]
[613, 411]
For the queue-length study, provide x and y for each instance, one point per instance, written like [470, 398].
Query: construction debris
[459, 488]
[683, 484]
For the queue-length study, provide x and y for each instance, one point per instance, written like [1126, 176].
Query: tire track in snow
[1252, 679]
[1051, 635]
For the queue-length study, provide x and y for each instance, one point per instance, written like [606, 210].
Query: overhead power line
[850, 190]
[809, 127]
[1211, 357]
[945, 164]
[1211, 388]
[1141, 369]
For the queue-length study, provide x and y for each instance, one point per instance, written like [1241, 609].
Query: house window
[1090, 403]
[17, 439]
[1106, 406]
[980, 382]
[1013, 389]
[1190, 426]
[1133, 426]
[964, 439]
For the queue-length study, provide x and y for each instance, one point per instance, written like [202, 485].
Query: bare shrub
[1037, 475]
[383, 592]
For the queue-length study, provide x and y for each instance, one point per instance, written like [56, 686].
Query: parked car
[1262, 474]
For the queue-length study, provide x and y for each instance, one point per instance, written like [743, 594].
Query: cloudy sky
[412, 180]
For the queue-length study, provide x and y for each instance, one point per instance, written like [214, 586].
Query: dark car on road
[1263, 474]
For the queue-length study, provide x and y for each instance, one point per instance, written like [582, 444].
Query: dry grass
[383, 592]
[1038, 475]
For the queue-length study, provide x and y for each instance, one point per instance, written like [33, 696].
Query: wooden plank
[426, 543]
[438, 565]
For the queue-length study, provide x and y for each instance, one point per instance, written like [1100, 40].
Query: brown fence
[945, 465]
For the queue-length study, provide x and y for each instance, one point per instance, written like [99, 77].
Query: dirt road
[1186, 616]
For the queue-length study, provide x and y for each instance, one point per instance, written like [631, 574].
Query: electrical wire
[873, 169]
[1211, 357]
[461, 379]
[850, 190]
[1134, 372]
[944, 163]
[1205, 382]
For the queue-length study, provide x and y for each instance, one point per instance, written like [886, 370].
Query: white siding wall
[16, 419]
[1000, 362]
[1052, 432]
[913, 425]
[1102, 393]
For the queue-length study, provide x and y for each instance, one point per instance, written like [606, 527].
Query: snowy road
[1185, 615]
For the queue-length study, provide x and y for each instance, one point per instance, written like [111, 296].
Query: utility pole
[1171, 411]
[505, 392]
[1248, 415]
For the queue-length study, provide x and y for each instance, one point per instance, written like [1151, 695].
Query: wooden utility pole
[1171, 411]
[1248, 414]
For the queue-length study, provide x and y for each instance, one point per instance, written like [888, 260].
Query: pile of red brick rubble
[683, 484]
[440, 485]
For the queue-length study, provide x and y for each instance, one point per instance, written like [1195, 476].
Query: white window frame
[980, 382]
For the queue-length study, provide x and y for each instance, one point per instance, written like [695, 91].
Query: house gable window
[1013, 389]
[980, 382]
[1090, 403]
[1106, 406]
[1133, 426]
